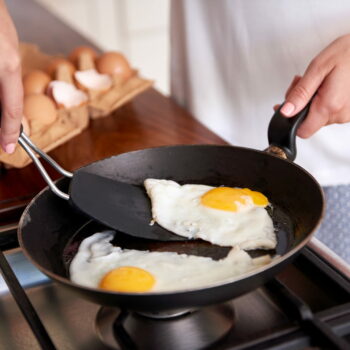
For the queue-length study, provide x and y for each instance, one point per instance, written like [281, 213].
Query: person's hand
[11, 90]
[328, 75]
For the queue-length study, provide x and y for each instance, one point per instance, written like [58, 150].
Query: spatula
[118, 205]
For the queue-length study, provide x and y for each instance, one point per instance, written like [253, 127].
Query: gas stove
[306, 306]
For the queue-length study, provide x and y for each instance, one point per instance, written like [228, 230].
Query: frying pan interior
[49, 224]
[288, 187]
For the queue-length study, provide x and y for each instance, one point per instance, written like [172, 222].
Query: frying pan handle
[282, 133]
[31, 149]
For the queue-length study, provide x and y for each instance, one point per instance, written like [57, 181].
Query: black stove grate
[299, 311]
[25, 305]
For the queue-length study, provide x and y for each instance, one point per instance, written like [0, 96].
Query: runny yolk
[226, 198]
[128, 279]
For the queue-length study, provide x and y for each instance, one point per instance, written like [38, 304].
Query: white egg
[93, 80]
[180, 209]
[66, 94]
[170, 271]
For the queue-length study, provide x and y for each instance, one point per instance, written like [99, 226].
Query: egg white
[173, 272]
[178, 209]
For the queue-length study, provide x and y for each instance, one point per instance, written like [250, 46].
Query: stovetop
[306, 306]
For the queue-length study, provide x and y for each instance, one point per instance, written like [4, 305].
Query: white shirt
[233, 60]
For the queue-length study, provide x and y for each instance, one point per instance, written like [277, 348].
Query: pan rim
[274, 262]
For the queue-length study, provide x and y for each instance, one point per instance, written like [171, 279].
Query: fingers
[330, 105]
[11, 90]
[12, 105]
[295, 80]
[304, 88]
[327, 78]
[317, 118]
[292, 84]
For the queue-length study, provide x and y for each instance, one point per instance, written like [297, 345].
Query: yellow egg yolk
[128, 279]
[226, 198]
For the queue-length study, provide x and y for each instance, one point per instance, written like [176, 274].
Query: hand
[11, 90]
[328, 75]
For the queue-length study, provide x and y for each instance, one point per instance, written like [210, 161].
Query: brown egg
[80, 51]
[39, 110]
[113, 63]
[57, 63]
[35, 82]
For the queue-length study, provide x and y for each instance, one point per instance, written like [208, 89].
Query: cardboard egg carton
[66, 126]
[70, 122]
[120, 93]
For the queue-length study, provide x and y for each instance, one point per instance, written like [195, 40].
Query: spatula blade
[121, 206]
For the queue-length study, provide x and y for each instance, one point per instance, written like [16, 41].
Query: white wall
[138, 28]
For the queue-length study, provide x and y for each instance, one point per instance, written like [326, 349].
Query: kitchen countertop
[149, 120]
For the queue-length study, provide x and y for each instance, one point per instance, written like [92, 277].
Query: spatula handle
[31, 149]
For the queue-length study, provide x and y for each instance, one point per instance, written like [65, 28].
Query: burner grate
[299, 311]
[25, 305]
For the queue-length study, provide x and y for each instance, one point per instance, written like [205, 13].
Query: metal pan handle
[31, 149]
[282, 133]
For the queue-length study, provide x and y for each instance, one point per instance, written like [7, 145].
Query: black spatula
[121, 206]
[116, 204]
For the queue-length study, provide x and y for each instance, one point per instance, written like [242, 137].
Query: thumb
[298, 97]
[12, 106]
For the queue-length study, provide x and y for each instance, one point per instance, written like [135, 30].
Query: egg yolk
[128, 279]
[226, 198]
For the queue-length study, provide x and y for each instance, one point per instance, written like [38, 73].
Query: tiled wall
[138, 28]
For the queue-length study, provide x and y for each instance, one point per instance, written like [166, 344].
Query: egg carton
[73, 120]
[65, 127]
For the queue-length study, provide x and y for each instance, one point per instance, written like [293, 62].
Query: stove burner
[161, 315]
[193, 330]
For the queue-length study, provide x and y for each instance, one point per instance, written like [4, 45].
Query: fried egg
[99, 264]
[225, 216]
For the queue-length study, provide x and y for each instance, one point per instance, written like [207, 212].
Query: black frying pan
[51, 230]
